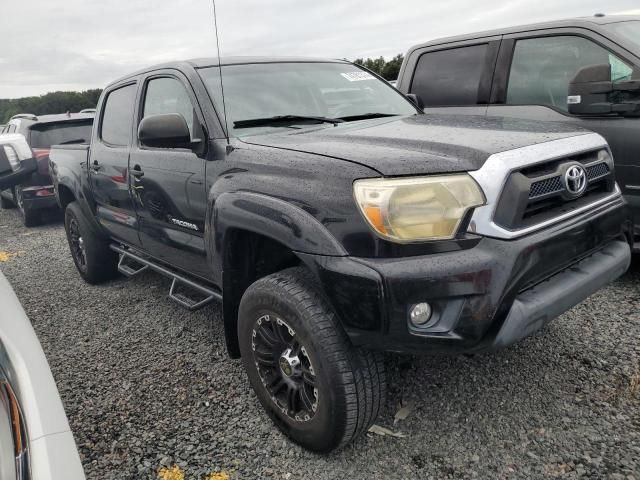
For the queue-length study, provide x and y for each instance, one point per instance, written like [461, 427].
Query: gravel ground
[146, 384]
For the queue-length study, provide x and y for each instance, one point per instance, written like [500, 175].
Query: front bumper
[486, 297]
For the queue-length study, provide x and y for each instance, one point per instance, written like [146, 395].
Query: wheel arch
[250, 236]
[65, 196]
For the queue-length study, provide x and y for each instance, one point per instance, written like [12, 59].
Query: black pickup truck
[335, 221]
[583, 72]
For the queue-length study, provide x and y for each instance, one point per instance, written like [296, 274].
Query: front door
[168, 184]
[537, 81]
[108, 165]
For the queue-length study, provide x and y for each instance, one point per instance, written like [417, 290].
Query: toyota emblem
[575, 180]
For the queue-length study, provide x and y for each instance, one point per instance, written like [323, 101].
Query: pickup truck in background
[583, 72]
[335, 221]
[35, 194]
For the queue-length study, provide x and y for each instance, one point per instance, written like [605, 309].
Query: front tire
[95, 261]
[319, 389]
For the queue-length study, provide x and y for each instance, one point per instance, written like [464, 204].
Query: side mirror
[16, 161]
[168, 130]
[591, 92]
[416, 100]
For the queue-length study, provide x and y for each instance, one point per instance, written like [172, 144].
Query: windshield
[322, 90]
[43, 136]
[628, 30]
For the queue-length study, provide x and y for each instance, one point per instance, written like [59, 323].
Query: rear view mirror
[16, 161]
[591, 92]
[416, 100]
[169, 130]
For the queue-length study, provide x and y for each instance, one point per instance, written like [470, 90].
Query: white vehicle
[16, 160]
[36, 442]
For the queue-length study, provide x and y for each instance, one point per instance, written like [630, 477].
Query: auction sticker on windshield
[357, 76]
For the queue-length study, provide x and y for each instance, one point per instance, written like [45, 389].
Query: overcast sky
[52, 45]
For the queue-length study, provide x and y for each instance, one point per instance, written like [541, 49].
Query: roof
[236, 60]
[243, 60]
[56, 118]
[585, 22]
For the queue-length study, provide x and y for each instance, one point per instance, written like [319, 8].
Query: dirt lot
[146, 385]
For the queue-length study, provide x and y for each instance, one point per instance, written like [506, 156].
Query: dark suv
[582, 72]
[36, 193]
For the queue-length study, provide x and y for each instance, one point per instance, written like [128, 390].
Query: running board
[177, 280]
[129, 270]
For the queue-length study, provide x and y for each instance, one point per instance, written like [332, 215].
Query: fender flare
[271, 217]
[72, 181]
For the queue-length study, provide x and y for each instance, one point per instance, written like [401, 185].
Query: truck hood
[419, 144]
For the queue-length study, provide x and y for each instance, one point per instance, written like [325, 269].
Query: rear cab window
[117, 116]
[44, 135]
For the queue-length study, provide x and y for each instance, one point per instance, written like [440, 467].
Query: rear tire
[5, 203]
[95, 261]
[286, 324]
[30, 217]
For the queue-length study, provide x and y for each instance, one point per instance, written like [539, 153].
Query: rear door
[109, 162]
[169, 183]
[453, 78]
[532, 81]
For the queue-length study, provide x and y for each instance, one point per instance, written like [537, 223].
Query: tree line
[387, 69]
[53, 102]
[61, 102]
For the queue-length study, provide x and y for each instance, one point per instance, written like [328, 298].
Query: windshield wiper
[365, 116]
[76, 140]
[258, 122]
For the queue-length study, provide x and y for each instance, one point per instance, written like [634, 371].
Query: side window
[117, 116]
[543, 67]
[450, 77]
[168, 95]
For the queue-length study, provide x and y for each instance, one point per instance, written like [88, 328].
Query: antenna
[224, 105]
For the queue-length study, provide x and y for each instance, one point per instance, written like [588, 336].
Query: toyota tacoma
[335, 221]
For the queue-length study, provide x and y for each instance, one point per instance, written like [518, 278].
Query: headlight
[418, 208]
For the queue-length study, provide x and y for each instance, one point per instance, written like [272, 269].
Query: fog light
[420, 313]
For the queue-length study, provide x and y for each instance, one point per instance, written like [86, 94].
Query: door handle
[96, 166]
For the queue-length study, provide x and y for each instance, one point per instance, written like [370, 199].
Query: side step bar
[180, 298]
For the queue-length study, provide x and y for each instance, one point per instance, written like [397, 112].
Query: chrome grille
[554, 184]
[536, 194]
[597, 171]
[546, 186]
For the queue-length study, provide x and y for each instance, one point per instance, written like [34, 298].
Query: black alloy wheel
[76, 242]
[90, 251]
[285, 368]
[319, 389]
